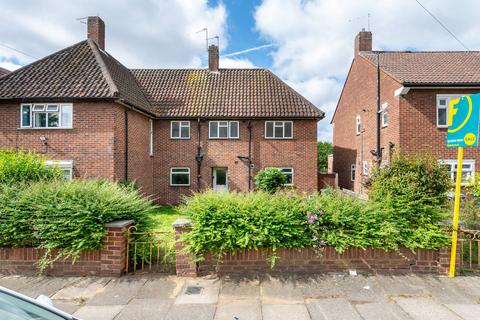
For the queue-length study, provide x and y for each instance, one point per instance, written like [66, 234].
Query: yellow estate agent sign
[463, 122]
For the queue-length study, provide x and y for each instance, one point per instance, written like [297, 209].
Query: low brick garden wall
[310, 261]
[107, 262]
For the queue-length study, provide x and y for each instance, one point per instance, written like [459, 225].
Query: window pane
[180, 178]
[40, 119]
[442, 102]
[180, 170]
[214, 129]
[269, 133]
[175, 129]
[52, 119]
[66, 117]
[278, 132]
[288, 130]
[26, 119]
[289, 173]
[233, 129]
[52, 107]
[223, 131]
[221, 177]
[442, 117]
[38, 107]
[185, 132]
[16, 308]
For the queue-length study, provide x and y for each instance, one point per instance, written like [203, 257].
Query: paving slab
[191, 311]
[14, 283]
[318, 287]
[164, 287]
[465, 311]
[239, 309]
[83, 289]
[118, 292]
[280, 290]
[47, 286]
[285, 312]
[468, 284]
[238, 290]
[381, 311]
[445, 290]
[332, 309]
[425, 309]
[361, 289]
[402, 286]
[207, 293]
[69, 306]
[98, 312]
[145, 309]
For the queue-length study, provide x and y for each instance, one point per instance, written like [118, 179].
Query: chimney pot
[213, 58]
[96, 31]
[363, 42]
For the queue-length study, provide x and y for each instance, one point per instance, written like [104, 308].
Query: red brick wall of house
[418, 127]
[359, 94]
[89, 144]
[299, 153]
[96, 144]
[140, 163]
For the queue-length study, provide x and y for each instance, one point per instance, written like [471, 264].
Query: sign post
[463, 122]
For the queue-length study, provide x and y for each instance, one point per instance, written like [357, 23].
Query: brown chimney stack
[96, 31]
[213, 58]
[363, 42]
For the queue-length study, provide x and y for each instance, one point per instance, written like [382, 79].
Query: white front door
[220, 179]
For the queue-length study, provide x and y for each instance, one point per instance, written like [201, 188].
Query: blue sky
[310, 41]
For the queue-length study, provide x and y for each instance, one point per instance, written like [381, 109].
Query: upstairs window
[384, 114]
[180, 129]
[443, 101]
[223, 130]
[358, 126]
[278, 129]
[46, 116]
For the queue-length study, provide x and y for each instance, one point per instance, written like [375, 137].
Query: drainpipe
[250, 162]
[378, 150]
[126, 145]
[199, 156]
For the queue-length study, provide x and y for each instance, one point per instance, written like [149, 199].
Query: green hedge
[229, 222]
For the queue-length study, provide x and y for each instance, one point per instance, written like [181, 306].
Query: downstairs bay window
[468, 169]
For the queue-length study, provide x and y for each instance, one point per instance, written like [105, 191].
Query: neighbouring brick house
[173, 131]
[408, 111]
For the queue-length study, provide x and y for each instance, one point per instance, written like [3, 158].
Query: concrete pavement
[327, 297]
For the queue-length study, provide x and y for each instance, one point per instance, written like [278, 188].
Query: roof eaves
[103, 67]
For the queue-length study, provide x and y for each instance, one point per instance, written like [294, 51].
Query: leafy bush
[22, 166]
[473, 186]
[65, 215]
[270, 180]
[230, 222]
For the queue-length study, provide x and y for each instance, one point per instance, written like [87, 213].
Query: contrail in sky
[248, 50]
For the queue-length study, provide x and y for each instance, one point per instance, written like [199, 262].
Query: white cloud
[314, 38]
[236, 63]
[138, 33]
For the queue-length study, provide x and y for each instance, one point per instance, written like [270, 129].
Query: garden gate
[149, 252]
[469, 250]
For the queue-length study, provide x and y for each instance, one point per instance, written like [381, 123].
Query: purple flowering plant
[315, 220]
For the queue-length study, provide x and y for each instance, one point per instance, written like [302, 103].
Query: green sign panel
[463, 121]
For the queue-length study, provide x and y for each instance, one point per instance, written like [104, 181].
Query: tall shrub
[25, 166]
[270, 180]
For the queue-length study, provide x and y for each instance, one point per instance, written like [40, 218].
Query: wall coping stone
[182, 222]
[119, 224]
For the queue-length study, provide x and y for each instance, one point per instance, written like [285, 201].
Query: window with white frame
[443, 101]
[365, 168]
[288, 172]
[278, 129]
[358, 125]
[384, 114]
[223, 130]
[180, 129]
[46, 115]
[353, 172]
[65, 165]
[180, 176]
[150, 144]
[468, 169]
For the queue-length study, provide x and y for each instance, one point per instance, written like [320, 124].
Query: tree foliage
[324, 148]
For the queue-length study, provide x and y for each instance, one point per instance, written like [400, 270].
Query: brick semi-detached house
[407, 112]
[173, 131]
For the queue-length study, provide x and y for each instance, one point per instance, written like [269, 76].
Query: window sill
[179, 185]
[63, 128]
[278, 138]
[180, 138]
[223, 138]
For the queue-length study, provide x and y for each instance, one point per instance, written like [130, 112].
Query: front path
[293, 298]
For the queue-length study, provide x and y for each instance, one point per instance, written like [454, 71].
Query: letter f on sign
[452, 110]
